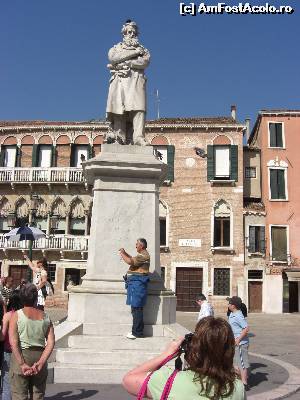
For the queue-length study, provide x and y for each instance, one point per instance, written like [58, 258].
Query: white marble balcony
[58, 242]
[41, 175]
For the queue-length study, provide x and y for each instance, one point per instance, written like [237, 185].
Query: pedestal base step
[111, 343]
[99, 374]
[120, 329]
[104, 357]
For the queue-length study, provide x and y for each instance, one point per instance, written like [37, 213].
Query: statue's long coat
[127, 93]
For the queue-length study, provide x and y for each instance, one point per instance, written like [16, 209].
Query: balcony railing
[41, 175]
[61, 243]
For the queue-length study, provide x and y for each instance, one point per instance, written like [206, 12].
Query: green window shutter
[251, 248]
[210, 163]
[272, 129]
[262, 239]
[53, 156]
[279, 141]
[170, 157]
[234, 162]
[90, 151]
[35, 155]
[18, 156]
[2, 156]
[281, 184]
[273, 184]
[72, 157]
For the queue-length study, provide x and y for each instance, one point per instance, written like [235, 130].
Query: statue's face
[130, 32]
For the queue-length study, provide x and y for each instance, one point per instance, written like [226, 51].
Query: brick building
[201, 207]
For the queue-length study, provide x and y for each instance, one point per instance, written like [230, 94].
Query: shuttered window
[277, 184]
[275, 132]
[279, 243]
[256, 239]
[222, 162]
[170, 158]
[221, 281]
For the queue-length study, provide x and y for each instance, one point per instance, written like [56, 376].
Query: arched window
[59, 209]
[22, 212]
[4, 210]
[222, 224]
[77, 218]
[41, 216]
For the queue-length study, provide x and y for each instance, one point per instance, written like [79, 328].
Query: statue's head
[130, 33]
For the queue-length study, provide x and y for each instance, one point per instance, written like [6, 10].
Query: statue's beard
[131, 42]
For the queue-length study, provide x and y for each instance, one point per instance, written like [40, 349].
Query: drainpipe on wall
[247, 123]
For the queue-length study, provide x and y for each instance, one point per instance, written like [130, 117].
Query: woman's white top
[36, 281]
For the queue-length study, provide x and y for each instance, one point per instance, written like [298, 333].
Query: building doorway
[189, 283]
[255, 296]
[255, 290]
[290, 295]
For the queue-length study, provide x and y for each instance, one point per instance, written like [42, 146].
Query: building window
[275, 134]
[73, 277]
[163, 215]
[52, 272]
[44, 156]
[278, 184]
[162, 153]
[221, 281]
[10, 156]
[221, 228]
[77, 226]
[250, 172]
[3, 225]
[279, 243]
[163, 232]
[256, 239]
[41, 223]
[222, 162]
[80, 153]
[255, 274]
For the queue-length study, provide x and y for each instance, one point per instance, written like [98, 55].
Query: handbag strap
[168, 385]
[143, 388]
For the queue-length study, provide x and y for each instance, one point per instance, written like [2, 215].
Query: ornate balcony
[47, 176]
[62, 243]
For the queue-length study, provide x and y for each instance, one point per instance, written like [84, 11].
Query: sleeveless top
[32, 332]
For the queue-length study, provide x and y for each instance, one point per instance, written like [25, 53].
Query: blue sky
[54, 56]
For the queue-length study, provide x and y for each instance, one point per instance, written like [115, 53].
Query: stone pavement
[274, 336]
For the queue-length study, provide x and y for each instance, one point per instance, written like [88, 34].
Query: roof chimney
[247, 123]
[233, 112]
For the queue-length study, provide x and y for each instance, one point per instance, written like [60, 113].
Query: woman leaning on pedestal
[32, 340]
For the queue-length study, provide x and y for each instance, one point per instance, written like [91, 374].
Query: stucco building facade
[276, 135]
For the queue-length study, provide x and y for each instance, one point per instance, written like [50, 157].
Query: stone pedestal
[126, 182]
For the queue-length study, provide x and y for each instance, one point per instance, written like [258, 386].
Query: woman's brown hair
[210, 356]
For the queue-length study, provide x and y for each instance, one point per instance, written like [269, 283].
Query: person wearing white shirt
[206, 309]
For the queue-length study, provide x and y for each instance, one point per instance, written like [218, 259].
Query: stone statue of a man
[126, 102]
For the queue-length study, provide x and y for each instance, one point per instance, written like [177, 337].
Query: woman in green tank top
[32, 340]
[209, 374]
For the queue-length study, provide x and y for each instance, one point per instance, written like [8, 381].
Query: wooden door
[17, 272]
[188, 287]
[293, 297]
[255, 296]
